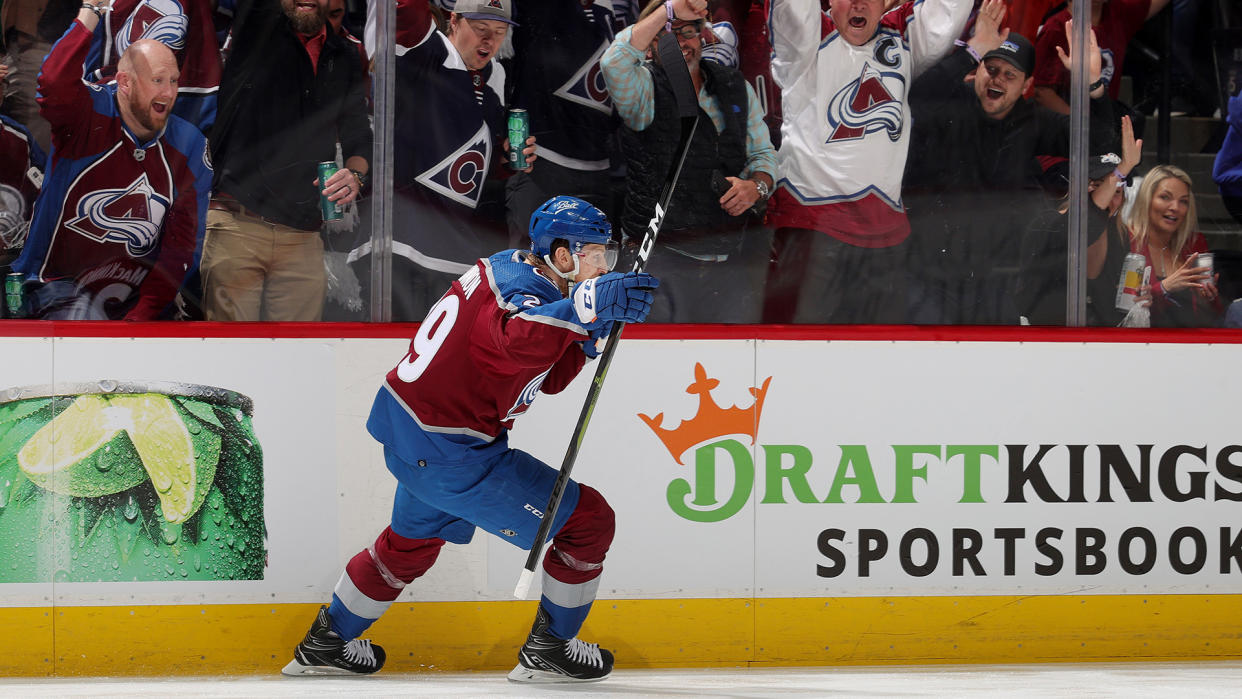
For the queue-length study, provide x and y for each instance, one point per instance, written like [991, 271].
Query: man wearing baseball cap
[445, 156]
[972, 181]
[499, 10]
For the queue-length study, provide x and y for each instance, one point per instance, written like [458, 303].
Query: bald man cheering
[118, 227]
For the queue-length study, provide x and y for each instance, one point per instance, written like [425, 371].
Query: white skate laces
[359, 651]
[584, 653]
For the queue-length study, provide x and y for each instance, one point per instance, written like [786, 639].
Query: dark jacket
[972, 182]
[278, 117]
[695, 222]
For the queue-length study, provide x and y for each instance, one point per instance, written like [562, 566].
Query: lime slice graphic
[83, 452]
[168, 452]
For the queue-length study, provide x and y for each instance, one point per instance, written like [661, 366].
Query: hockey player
[514, 324]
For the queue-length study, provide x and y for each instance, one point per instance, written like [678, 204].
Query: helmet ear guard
[575, 222]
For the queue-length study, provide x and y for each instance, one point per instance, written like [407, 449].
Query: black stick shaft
[687, 102]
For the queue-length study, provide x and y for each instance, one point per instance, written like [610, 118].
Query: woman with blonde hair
[1162, 226]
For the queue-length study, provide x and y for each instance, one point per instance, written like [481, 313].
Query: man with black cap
[975, 134]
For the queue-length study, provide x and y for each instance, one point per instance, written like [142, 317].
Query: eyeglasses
[605, 259]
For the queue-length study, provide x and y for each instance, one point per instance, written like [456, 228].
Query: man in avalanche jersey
[845, 77]
[118, 225]
[516, 323]
[449, 138]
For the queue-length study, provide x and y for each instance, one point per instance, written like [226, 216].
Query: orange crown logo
[711, 421]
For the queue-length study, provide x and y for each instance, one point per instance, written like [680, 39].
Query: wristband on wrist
[97, 9]
[1097, 84]
[668, 6]
[973, 53]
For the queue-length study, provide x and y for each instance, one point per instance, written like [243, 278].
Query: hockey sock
[572, 565]
[375, 577]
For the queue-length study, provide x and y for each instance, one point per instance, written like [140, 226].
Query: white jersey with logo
[846, 125]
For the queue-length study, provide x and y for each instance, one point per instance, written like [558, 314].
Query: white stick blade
[523, 585]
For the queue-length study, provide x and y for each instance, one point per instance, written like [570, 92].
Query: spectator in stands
[119, 222]
[290, 90]
[1227, 171]
[708, 273]
[556, 78]
[336, 19]
[1115, 23]
[1162, 226]
[1042, 277]
[838, 215]
[971, 183]
[22, 162]
[449, 137]
[27, 30]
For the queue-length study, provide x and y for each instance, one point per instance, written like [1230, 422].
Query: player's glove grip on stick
[598, 339]
[614, 297]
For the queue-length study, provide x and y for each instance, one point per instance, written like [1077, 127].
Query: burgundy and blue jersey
[498, 337]
[123, 219]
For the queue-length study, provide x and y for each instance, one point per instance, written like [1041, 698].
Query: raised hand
[1095, 63]
[989, 31]
[1131, 149]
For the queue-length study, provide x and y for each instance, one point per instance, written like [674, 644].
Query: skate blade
[296, 669]
[524, 674]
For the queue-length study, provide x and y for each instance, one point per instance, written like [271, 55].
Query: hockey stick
[674, 65]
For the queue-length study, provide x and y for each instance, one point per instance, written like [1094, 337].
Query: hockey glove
[594, 346]
[614, 296]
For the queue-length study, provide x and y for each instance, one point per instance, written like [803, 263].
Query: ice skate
[323, 652]
[545, 658]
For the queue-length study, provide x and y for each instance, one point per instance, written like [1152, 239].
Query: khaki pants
[253, 269]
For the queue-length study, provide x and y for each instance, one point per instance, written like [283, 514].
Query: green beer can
[330, 210]
[115, 481]
[14, 295]
[519, 131]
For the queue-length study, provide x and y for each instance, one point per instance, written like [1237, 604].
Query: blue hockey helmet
[575, 221]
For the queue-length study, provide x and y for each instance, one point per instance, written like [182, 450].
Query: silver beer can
[1206, 260]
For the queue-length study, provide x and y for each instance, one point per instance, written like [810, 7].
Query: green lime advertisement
[113, 481]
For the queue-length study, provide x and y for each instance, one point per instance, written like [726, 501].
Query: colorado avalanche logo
[527, 396]
[131, 215]
[495, 4]
[586, 87]
[162, 20]
[460, 176]
[862, 107]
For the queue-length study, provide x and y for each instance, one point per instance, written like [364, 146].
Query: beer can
[330, 210]
[14, 295]
[1206, 261]
[519, 131]
[1131, 281]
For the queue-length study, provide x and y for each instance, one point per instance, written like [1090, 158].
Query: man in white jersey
[837, 208]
